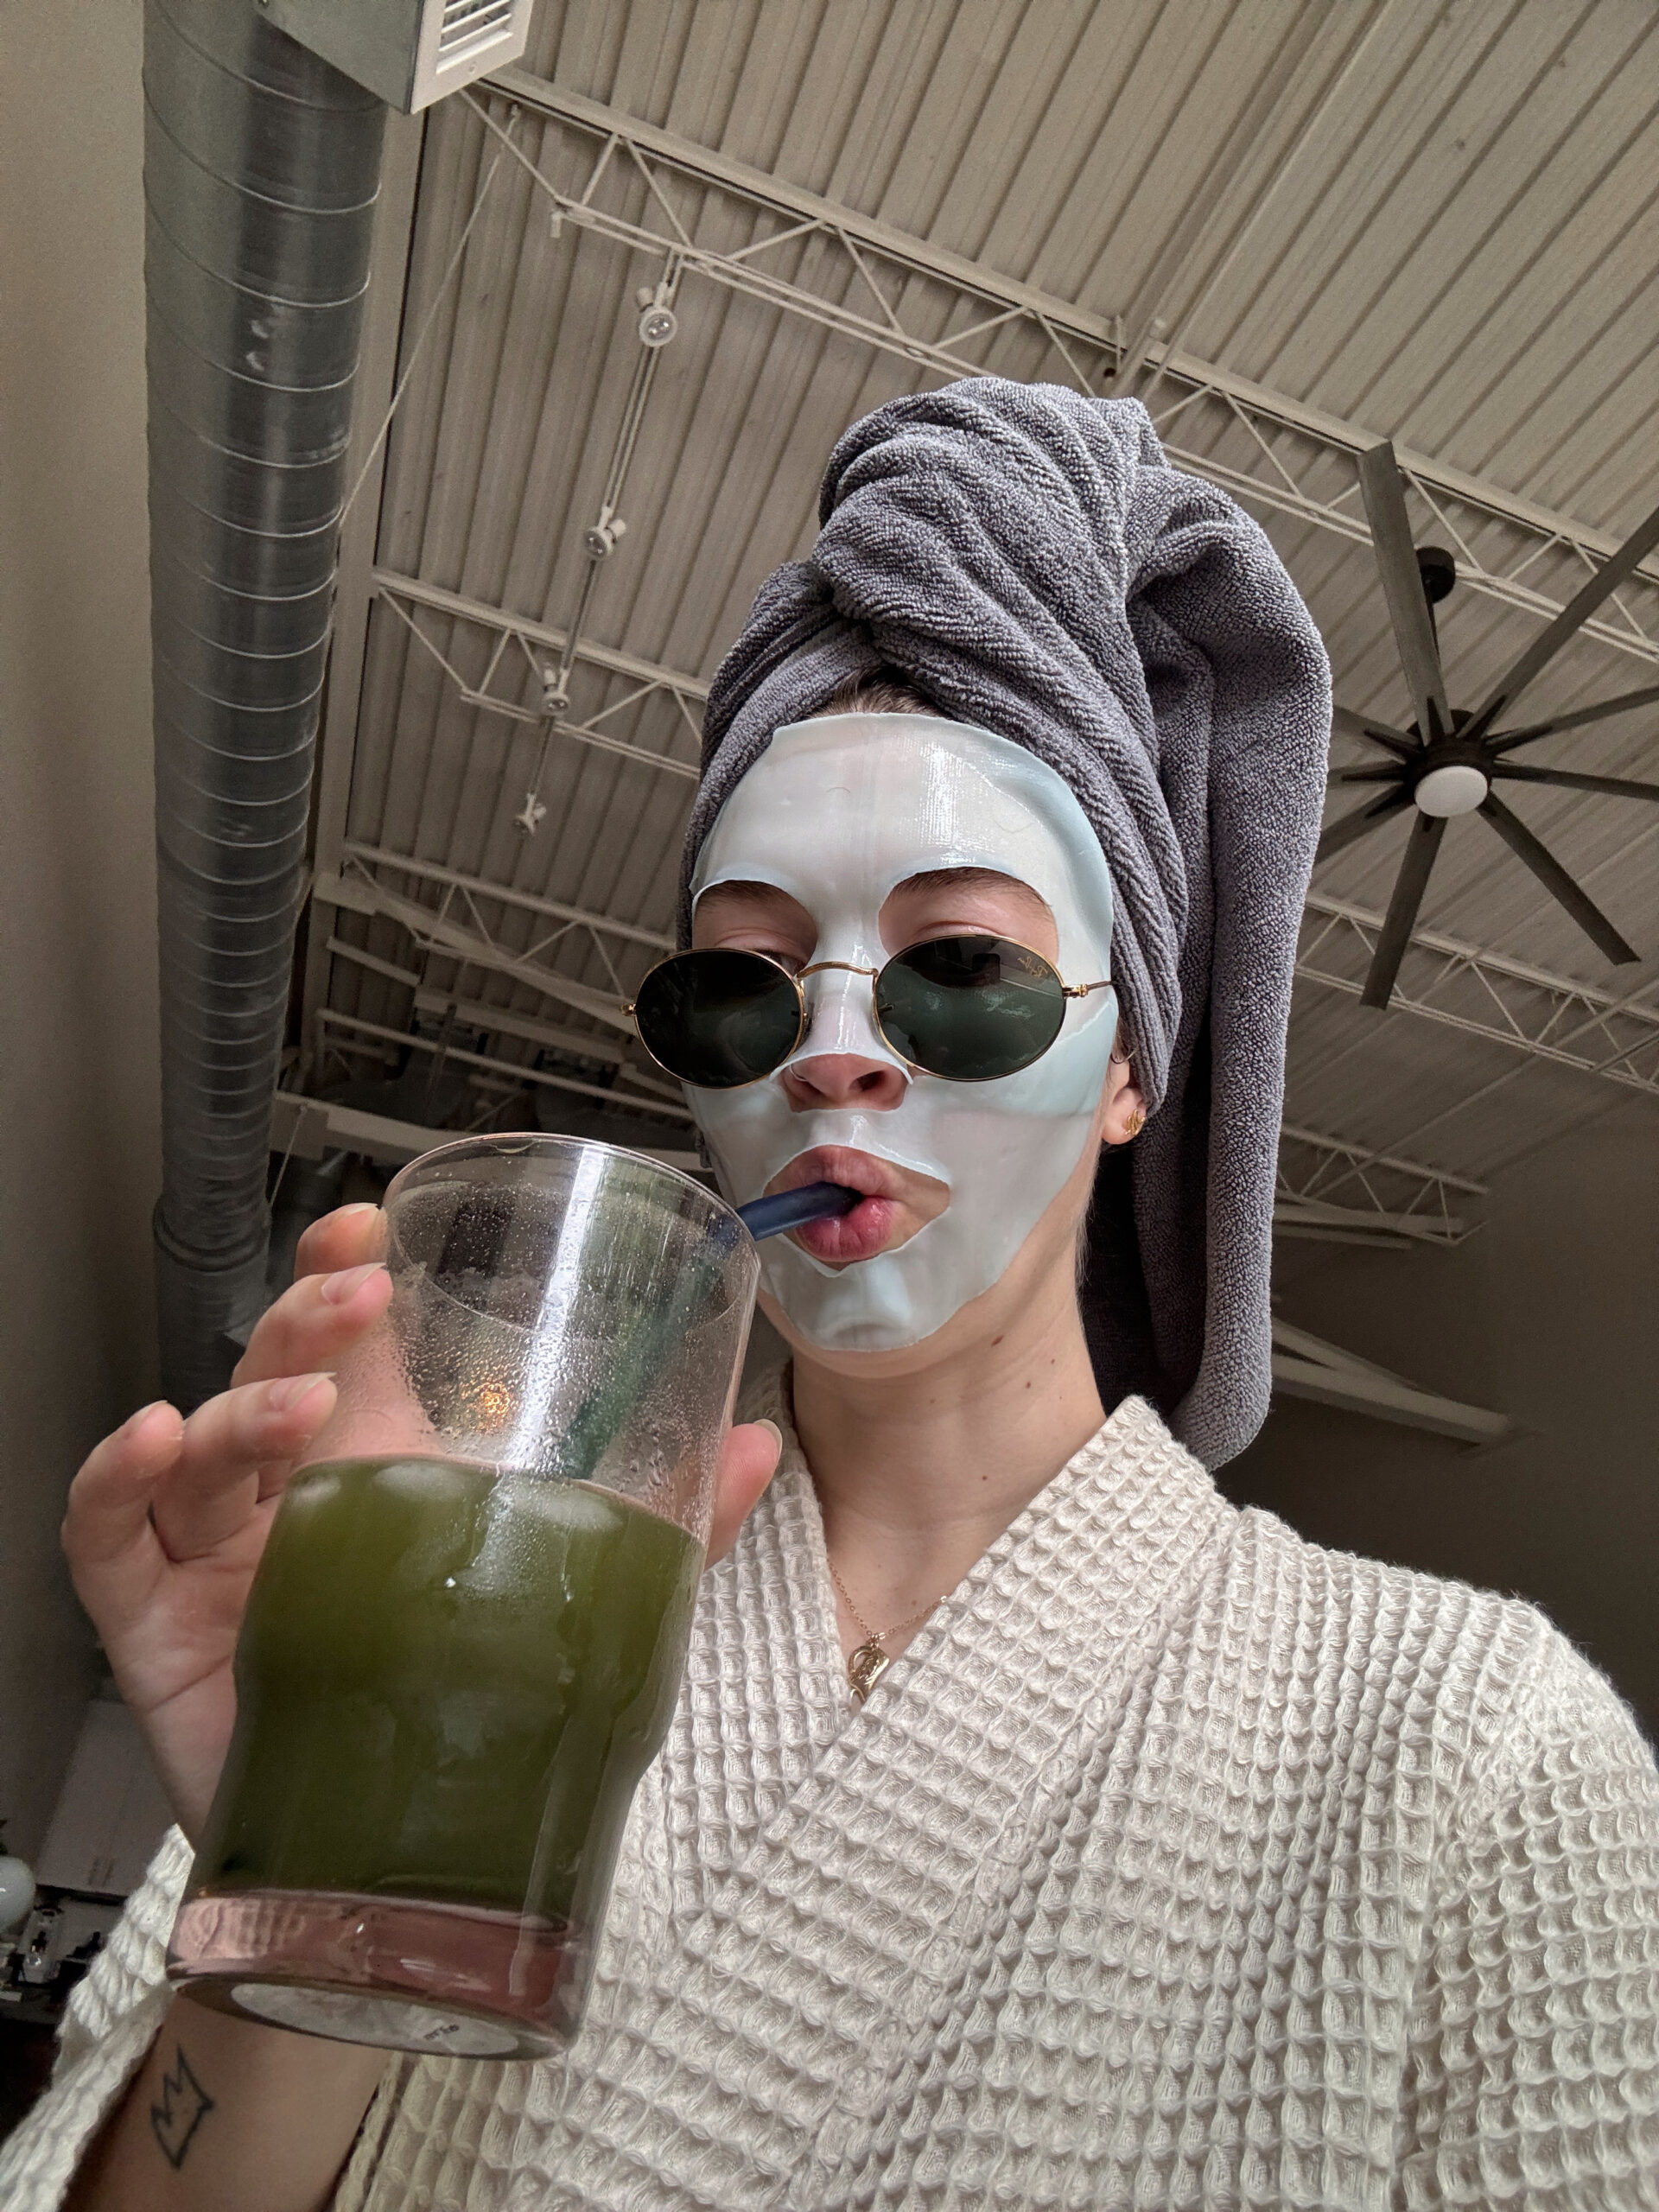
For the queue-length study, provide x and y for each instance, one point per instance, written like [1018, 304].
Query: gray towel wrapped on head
[1026, 557]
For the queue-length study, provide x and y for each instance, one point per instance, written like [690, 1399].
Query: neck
[919, 1467]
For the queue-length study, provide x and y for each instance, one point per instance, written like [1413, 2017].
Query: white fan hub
[1459, 788]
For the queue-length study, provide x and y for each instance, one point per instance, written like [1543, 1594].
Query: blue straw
[653, 1335]
[791, 1209]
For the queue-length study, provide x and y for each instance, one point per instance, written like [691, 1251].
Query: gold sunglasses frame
[797, 976]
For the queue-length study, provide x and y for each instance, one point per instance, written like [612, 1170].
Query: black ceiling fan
[1448, 760]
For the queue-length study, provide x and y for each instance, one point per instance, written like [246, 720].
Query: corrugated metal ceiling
[1436, 221]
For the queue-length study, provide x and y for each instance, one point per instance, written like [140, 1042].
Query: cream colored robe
[1176, 1863]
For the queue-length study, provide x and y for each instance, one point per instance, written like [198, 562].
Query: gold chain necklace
[869, 1663]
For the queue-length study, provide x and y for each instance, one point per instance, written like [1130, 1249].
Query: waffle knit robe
[1176, 1863]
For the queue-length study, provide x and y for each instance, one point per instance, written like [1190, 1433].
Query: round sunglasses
[969, 1008]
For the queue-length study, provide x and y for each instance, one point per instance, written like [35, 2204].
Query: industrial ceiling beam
[516, 1074]
[501, 1022]
[362, 857]
[1487, 994]
[406, 594]
[420, 594]
[359, 892]
[1312, 1220]
[308, 1128]
[1332, 1188]
[1307, 1367]
[478, 1015]
[1291, 442]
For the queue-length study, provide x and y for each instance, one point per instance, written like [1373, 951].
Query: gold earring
[1137, 1123]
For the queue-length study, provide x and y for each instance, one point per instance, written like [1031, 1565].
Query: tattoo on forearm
[185, 2104]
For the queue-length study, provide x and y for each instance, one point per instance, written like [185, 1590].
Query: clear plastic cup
[466, 1636]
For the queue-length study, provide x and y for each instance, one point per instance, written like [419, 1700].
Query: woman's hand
[167, 1517]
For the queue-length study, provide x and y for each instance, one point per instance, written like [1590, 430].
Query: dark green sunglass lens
[718, 1018]
[969, 1007]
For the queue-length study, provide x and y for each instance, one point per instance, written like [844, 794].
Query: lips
[897, 1202]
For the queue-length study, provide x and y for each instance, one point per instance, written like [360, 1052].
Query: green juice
[448, 1682]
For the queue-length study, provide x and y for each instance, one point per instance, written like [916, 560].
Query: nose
[842, 1079]
[843, 1060]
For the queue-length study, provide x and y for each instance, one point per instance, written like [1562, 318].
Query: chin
[872, 1349]
[864, 1348]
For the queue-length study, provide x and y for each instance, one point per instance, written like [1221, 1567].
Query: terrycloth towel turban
[1028, 559]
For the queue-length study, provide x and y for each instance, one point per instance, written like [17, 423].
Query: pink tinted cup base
[397, 1972]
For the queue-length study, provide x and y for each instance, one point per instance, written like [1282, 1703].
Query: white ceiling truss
[1487, 994]
[503, 1021]
[475, 939]
[469, 888]
[306, 1129]
[522, 646]
[513, 1075]
[1330, 1189]
[1261, 446]
[1306, 1366]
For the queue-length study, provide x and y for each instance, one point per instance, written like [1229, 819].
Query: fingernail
[281, 1397]
[776, 1432]
[336, 1289]
[357, 1205]
[135, 1421]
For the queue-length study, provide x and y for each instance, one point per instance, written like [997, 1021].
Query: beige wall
[78, 1158]
[1551, 1315]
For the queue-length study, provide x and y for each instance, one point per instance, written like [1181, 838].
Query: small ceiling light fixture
[1457, 788]
[658, 324]
[599, 538]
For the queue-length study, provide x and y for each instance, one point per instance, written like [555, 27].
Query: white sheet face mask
[837, 812]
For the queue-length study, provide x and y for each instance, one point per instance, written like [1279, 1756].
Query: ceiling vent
[409, 51]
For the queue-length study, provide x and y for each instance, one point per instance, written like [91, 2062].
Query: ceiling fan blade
[1383, 733]
[1572, 618]
[1409, 885]
[1577, 720]
[1556, 881]
[1348, 828]
[1569, 779]
[1384, 775]
[1402, 587]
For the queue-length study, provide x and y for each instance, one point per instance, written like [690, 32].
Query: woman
[1034, 1827]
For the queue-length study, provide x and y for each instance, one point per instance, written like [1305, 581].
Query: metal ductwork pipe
[261, 167]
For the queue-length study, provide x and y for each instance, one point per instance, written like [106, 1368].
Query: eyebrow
[969, 879]
[743, 891]
[957, 879]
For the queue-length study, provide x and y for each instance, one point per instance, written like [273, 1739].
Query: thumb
[748, 1461]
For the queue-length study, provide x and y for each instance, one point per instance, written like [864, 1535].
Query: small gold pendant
[866, 1667]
